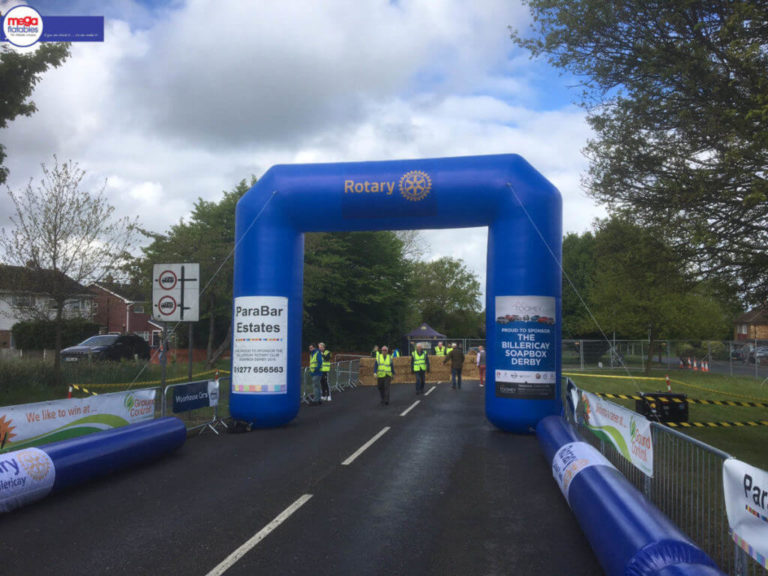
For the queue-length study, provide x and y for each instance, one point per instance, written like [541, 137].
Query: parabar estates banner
[28, 425]
[746, 503]
[628, 431]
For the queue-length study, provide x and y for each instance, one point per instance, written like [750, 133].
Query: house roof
[126, 292]
[754, 316]
[23, 279]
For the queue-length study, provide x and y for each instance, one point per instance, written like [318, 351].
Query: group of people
[384, 368]
[319, 367]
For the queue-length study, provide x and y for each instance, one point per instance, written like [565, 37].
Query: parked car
[108, 347]
[760, 353]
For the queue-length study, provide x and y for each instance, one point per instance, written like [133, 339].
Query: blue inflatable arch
[523, 212]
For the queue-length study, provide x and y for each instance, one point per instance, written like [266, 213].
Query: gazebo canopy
[425, 332]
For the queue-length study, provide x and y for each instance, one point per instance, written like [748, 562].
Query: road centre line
[230, 560]
[411, 407]
[365, 447]
[431, 390]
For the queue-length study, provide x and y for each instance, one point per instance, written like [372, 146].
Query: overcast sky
[184, 99]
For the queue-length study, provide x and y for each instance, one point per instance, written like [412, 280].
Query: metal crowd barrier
[342, 376]
[687, 485]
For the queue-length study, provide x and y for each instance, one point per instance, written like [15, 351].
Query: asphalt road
[439, 492]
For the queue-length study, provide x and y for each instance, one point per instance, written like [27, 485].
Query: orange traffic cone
[695, 366]
[69, 393]
[682, 364]
[705, 366]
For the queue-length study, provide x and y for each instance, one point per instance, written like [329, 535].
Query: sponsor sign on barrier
[525, 347]
[27, 425]
[628, 431]
[195, 395]
[25, 476]
[746, 503]
[571, 459]
[260, 348]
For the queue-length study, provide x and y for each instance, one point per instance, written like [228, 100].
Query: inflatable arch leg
[522, 210]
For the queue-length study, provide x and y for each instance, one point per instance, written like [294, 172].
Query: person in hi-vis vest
[420, 367]
[316, 371]
[384, 368]
[325, 369]
[440, 349]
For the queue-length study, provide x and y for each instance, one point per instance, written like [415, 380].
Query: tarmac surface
[349, 487]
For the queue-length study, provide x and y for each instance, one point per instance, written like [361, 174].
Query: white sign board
[746, 503]
[260, 345]
[176, 292]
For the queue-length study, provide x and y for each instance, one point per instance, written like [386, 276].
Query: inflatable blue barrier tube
[33, 473]
[628, 534]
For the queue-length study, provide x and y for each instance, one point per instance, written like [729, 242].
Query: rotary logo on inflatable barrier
[415, 185]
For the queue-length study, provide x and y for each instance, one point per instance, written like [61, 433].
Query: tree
[19, 74]
[676, 95]
[641, 291]
[65, 235]
[448, 297]
[579, 266]
[357, 288]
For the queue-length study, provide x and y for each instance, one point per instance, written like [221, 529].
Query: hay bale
[438, 372]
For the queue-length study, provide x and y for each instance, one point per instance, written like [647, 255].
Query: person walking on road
[326, 368]
[456, 358]
[420, 367]
[481, 364]
[384, 368]
[316, 371]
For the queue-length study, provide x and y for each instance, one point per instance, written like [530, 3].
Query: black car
[108, 347]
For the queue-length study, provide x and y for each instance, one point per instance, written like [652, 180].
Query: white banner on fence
[42, 422]
[746, 502]
[628, 431]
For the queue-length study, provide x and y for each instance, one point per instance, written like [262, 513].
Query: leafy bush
[23, 381]
[41, 334]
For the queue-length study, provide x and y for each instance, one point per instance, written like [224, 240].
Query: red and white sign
[176, 292]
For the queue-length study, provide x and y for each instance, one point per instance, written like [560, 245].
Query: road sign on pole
[176, 292]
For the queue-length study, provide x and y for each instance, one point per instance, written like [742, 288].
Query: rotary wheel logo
[36, 463]
[415, 185]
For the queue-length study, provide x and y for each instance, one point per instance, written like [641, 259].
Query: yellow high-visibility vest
[326, 367]
[419, 362]
[384, 365]
[439, 350]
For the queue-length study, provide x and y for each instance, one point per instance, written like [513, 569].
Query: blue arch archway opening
[523, 213]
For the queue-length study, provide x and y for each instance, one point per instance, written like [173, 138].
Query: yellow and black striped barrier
[748, 423]
[676, 400]
[83, 389]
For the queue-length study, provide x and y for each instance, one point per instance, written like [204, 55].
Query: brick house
[24, 295]
[120, 308]
[752, 325]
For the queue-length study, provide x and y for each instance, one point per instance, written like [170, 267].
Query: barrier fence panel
[735, 357]
[342, 376]
[687, 485]
[196, 404]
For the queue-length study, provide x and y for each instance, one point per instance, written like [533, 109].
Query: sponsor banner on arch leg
[44, 422]
[525, 347]
[260, 348]
[746, 503]
[628, 431]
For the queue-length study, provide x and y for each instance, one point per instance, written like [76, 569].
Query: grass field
[745, 443]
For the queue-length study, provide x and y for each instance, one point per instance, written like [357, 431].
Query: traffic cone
[690, 364]
[682, 364]
[695, 366]
[705, 366]
[69, 393]
[669, 385]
